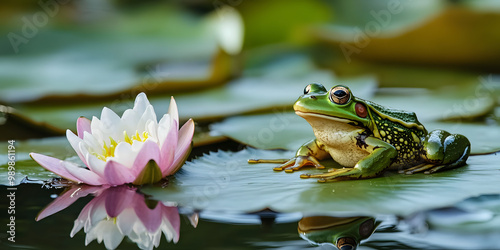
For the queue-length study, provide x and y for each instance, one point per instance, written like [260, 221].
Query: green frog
[367, 138]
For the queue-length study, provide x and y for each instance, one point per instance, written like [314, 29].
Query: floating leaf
[17, 126]
[443, 104]
[224, 181]
[107, 61]
[58, 147]
[285, 130]
[240, 96]
[424, 41]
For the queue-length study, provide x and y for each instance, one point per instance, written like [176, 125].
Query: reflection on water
[118, 212]
[344, 232]
[474, 224]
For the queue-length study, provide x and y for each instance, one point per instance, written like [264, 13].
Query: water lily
[135, 148]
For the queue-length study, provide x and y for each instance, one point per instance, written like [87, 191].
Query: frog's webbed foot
[429, 168]
[290, 165]
[298, 162]
[336, 175]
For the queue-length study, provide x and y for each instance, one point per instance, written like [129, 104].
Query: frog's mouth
[321, 116]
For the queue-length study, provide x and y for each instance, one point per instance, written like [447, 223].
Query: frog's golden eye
[340, 95]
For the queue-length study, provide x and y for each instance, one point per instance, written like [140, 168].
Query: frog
[367, 139]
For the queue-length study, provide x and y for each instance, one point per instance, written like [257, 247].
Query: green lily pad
[244, 95]
[18, 126]
[224, 181]
[440, 105]
[58, 147]
[111, 59]
[285, 130]
[397, 38]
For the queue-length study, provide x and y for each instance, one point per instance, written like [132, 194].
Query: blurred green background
[237, 66]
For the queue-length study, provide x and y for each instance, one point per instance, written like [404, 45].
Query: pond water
[448, 228]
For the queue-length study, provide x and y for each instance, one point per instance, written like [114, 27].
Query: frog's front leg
[442, 150]
[381, 156]
[307, 155]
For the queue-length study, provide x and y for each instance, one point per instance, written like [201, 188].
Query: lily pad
[58, 147]
[223, 181]
[375, 39]
[440, 105]
[18, 126]
[107, 61]
[240, 96]
[286, 130]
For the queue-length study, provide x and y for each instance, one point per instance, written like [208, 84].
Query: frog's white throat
[338, 136]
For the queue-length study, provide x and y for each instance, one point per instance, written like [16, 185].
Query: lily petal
[111, 124]
[82, 125]
[129, 118]
[149, 151]
[141, 103]
[91, 142]
[164, 127]
[97, 129]
[117, 174]
[75, 142]
[54, 165]
[173, 111]
[83, 174]
[183, 147]
[97, 166]
[168, 147]
[125, 153]
[148, 115]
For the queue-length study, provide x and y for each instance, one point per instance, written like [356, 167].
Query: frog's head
[338, 105]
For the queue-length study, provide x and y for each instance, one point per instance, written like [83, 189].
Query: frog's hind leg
[442, 151]
[460, 162]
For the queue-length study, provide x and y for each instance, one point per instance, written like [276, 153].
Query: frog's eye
[340, 95]
[307, 89]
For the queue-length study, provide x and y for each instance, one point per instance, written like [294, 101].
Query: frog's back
[399, 128]
[402, 115]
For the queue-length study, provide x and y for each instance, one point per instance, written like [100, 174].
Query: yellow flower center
[109, 151]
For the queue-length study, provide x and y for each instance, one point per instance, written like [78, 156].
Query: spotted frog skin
[367, 138]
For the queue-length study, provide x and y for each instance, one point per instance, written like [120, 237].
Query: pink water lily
[135, 148]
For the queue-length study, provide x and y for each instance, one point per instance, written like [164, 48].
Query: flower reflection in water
[344, 232]
[116, 212]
